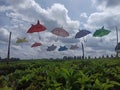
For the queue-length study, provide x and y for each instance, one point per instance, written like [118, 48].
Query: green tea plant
[100, 74]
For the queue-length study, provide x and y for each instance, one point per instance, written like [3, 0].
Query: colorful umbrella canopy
[73, 47]
[51, 48]
[62, 48]
[60, 32]
[101, 32]
[82, 33]
[21, 40]
[36, 28]
[117, 48]
[36, 44]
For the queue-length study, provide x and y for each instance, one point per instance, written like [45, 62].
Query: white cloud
[107, 16]
[22, 14]
[4, 8]
[4, 34]
[17, 17]
[84, 15]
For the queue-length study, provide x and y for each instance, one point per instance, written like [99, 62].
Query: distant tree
[70, 57]
[51, 58]
[100, 57]
[84, 57]
[89, 57]
[95, 57]
[75, 57]
[79, 57]
[107, 56]
[103, 56]
[112, 56]
[65, 58]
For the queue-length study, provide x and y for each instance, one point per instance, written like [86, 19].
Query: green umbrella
[101, 32]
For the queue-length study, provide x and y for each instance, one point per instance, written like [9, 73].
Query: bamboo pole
[8, 54]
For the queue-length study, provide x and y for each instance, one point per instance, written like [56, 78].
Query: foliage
[101, 74]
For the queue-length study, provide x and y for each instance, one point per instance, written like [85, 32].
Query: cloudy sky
[16, 16]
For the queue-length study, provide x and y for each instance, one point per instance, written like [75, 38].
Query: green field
[99, 74]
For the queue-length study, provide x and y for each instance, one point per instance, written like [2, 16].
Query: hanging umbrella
[73, 47]
[101, 32]
[117, 48]
[21, 40]
[36, 44]
[62, 48]
[60, 32]
[51, 48]
[36, 28]
[82, 33]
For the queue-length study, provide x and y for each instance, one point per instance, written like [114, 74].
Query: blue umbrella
[82, 33]
[62, 48]
[51, 48]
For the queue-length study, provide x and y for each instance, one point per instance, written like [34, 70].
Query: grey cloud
[106, 3]
[113, 3]
[4, 19]
[70, 40]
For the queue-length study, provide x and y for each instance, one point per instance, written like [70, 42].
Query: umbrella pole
[8, 55]
[117, 40]
[39, 36]
[82, 50]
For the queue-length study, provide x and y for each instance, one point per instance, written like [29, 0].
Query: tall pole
[8, 55]
[82, 50]
[117, 40]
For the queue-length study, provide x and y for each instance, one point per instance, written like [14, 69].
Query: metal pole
[82, 50]
[117, 40]
[117, 34]
[8, 55]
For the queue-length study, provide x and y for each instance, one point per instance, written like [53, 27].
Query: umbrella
[82, 33]
[21, 40]
[36, 28]
[101, 32]
[62, 48]
[51, 48]
[73, 47]
[117, 48]
[36, 44]
[60, 32]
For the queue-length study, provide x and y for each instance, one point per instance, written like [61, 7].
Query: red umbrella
[36, 28]
[60, 32]
[36, 44]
